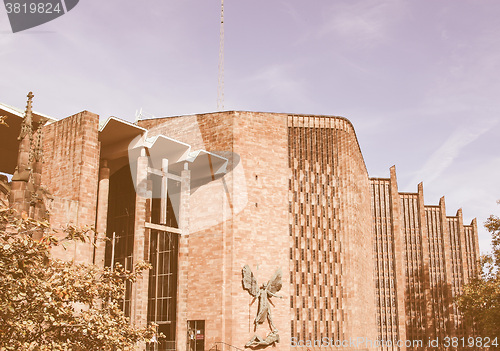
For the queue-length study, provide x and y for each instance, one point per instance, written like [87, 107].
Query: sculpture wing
[249, 281]
[274, 285]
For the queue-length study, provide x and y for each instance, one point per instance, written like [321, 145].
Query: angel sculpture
[263, 294]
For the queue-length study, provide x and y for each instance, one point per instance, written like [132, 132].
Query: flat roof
[121, 142]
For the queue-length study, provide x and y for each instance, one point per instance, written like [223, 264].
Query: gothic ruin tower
[26, 192]
[37, 197]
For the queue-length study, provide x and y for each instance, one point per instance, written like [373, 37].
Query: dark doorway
[196, 336]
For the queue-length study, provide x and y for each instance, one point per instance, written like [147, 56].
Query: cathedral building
[263, 229]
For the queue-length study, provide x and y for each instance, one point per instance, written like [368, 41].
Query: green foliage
[493, 226]
[480, 301]
[49, 304]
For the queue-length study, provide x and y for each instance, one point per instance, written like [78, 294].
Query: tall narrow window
[163, 286]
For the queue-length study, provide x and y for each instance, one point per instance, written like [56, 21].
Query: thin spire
[26, 127]
[22, 179]
[220, 86]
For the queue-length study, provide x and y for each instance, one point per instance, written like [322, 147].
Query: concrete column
[463, 247]
[164, 190]
[399, 255]
[140, 287]
[429, 316]
[447, 258]
[184, 200]
[465, 263]
[102, 214]
[477, 267]
[183, 263]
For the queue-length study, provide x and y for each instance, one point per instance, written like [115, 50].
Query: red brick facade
[248, 222]
[329, 289]
[423, 259]
[359, 259]
[71, 174]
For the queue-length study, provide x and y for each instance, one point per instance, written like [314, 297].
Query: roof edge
[20, 113]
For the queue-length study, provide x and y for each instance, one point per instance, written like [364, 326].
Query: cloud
[467, 76]
[445, 155]
[280, 83]
[362, 22]
[276, 77]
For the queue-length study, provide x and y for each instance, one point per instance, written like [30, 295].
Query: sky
[419, 80]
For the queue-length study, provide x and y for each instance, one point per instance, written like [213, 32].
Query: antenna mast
[220, 86]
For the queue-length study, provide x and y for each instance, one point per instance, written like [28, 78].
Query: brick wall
[70, 172]
[330, 237]
[205, 259]
[243, 219]
[238, 220]
[260, 237]
[423, 259]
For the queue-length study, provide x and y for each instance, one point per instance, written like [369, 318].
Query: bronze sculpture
[263, 294]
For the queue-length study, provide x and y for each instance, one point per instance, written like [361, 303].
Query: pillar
[447, 259]
[183, 263]
[102, 214]
[399, 255]
[463, 247]
[429, 326]
[475, 239]
[141, 252]
[164, 190]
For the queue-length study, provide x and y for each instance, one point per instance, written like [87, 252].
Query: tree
[480, 301]
[49, 304]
